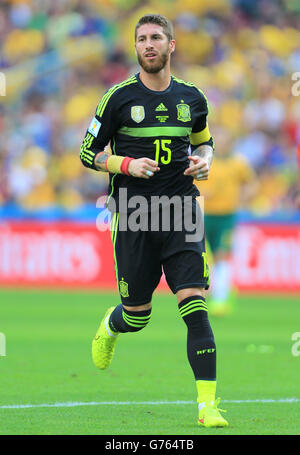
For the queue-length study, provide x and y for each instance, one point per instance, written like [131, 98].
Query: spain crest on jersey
[137, 113]
[183, 112]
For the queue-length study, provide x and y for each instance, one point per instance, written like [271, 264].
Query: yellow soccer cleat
[209, 416]
[104, 343]
[219, 308]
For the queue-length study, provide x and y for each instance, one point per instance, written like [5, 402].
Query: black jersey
[160, 125]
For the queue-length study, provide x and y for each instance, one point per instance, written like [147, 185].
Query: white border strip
[73, 404]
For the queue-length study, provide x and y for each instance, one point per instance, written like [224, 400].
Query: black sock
[201, 348]
[122, 320]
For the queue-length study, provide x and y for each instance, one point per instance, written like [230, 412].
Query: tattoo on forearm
[205, 152]
[101, 159]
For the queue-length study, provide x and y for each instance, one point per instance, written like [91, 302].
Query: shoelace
[215, 405]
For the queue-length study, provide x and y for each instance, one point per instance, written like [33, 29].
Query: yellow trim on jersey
[191, 84]
[85, 153]
[102, 105]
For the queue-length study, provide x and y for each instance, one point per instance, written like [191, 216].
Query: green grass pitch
[48, 361]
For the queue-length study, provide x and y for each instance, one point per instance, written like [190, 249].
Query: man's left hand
[198, 169]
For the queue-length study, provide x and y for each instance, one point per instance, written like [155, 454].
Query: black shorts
[141, 256]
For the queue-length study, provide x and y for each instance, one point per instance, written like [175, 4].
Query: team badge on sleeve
[94, 127]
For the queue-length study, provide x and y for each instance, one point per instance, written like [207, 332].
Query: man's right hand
[143, 168]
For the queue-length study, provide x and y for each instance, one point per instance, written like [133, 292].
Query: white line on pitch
[73, 404]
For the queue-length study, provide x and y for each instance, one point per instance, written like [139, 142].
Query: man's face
[153, 48]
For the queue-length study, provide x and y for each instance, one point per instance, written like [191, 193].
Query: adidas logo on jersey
[161, 107]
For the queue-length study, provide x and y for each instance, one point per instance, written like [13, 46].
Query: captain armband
[118, 164]
[202, 138]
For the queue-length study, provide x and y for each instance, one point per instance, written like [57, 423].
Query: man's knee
[145, 307]
[183, 294]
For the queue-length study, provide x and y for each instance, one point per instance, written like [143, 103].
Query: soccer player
[232, 183]
[151, 120]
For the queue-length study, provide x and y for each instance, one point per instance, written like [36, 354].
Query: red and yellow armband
[118, 164]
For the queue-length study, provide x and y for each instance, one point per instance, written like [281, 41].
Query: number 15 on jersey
[163, 153]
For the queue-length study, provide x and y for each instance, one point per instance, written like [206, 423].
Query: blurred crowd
[60, 56]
